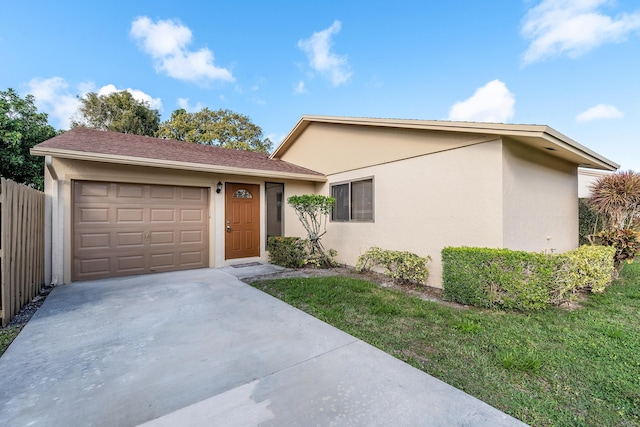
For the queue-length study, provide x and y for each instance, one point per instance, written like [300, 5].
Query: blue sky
[571, 64]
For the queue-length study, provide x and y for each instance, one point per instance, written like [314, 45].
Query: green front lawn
[550, 368]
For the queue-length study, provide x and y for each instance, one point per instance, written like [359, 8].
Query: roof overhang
[538, 136]
[157, 163]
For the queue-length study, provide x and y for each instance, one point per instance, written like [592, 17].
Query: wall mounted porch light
[218, 187]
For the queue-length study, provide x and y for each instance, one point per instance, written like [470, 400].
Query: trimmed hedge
[290, 252]
[503, 278]
[497, 278]
[403, 266]
[588, 267]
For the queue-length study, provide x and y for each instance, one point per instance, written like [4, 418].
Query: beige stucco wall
[497, 193]
[422, 204]
[333, 148]
[540, 200]
[58, 187]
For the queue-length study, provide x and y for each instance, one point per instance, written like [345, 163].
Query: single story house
[122, 204]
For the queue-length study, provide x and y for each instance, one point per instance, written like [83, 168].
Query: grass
[550, 368]
[7, 335]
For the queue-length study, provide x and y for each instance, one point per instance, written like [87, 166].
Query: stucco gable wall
[540, 200]
[335, 148]
[451, 198]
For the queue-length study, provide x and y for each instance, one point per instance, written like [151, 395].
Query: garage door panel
[191, 215]
[130, 239]
[163, 215]
[94, 241]
[94, 266]
[163, 192]
[130, 263]
[129, 191]
[129, 215]
[121, 229]
[191, 258]
[94, 215]
[193, 194]
[163, 260]
[192, 236]
[162, 238]
[93, 189]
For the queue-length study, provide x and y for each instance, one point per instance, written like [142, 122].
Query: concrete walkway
[202, 348]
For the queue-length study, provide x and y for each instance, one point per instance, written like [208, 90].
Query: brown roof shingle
[92, 141]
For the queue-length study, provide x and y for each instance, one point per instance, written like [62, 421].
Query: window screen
[354, 201]
[362, 200]
[341, 208]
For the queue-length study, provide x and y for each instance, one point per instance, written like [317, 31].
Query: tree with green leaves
[22, 127]
[222, 128]
[313, 212]
[117, 112]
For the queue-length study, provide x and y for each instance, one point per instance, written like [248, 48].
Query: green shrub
[588, 222]
[288, 252]
[625, 241]
[405, 267]
[588, 267]
[497, 278]
[502, 278]
[294, 252]
[316, 259]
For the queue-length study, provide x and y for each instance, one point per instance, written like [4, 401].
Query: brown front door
[242, 221]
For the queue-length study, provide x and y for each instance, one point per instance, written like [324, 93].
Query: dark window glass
[341, 208]
[354, 201]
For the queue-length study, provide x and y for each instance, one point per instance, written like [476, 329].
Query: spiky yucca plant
[617, 198]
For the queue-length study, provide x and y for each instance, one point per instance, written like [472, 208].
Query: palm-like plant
[617, 198]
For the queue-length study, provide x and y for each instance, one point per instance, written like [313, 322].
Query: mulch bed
[27, 311]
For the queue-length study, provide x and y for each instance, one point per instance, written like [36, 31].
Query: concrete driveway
[202, 348]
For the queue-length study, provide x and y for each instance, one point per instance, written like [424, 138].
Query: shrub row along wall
[402, 266]
[21, 246]
[502, 278]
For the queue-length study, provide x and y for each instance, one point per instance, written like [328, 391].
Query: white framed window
[354, 201]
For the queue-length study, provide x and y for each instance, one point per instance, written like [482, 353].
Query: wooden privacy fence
[21, 247]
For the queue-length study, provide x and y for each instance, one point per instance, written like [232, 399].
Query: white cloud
[154, 103]
[275, 138]
[599, 112]
[300, 88]
[322, 59]
[167, 42]
[184, 104]
[54, 97]
[492, 102]
[572, 28]
[61, 99]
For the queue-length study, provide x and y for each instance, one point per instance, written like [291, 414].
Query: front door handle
[228, 229]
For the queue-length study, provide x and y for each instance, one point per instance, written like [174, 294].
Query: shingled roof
[90, 144]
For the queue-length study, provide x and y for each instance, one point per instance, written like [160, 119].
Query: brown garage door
[122, 229]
